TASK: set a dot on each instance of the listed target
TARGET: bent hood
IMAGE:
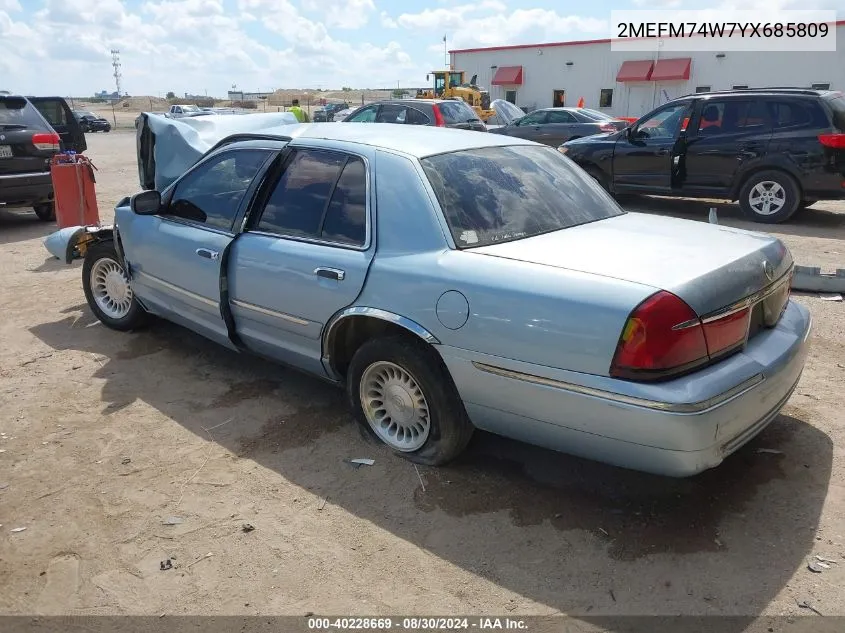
(167, 147)
(709, 266)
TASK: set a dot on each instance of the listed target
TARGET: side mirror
(145, 203)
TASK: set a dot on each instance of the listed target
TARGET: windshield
(506, 111)
(15, 111)
(837, 104)
(498, 194)
(190, 108)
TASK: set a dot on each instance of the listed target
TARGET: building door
(559, 99)
(640, 99)
(510, 95)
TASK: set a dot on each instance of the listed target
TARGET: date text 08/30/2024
(417, 624)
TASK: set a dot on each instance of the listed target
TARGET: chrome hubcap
(395, 406)
(767, 197)
(111, 289)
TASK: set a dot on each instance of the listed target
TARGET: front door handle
(330, 273)
(208, 254)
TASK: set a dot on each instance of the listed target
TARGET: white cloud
(344, 14)
(10, 5)
(488, 24)
(388, 22)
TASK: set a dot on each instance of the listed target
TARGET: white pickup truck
(179, 111)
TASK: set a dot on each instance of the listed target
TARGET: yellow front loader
(451, 84)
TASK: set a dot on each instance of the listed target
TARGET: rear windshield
(457, 112)
(499, 194)
(837, 105)
(595, 114)
(18, 111)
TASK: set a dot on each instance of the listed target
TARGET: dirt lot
(107, 435)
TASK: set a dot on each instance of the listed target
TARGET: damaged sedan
(450, 280)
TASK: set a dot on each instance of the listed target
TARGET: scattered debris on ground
(362, 461)
(166, 564)
(173, 521)
(247, 527)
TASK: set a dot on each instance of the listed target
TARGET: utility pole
(446, 53)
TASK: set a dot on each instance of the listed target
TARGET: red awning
(508, 76)
(635, 71)
(669, 69)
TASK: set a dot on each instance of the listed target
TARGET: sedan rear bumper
(679, 428)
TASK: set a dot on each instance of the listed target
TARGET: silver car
(451, 280)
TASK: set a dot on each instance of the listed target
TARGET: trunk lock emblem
(770, 272)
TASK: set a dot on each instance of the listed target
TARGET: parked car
(328, 112)
(180, 111)
(90, 122)
(554, 126)
(32, 131)
(452, 113)
(495, 285)
(776, 150)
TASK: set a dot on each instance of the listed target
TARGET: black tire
(45, 212)
(136, 317)
(790, 196)
(804, 204)
(450, 427)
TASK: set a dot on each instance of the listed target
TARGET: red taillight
(607, 127)
(836, 141)
(722, 334)
(664, 337)
(46, 141)
(438, 116)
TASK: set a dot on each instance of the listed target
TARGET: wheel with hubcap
(108, 291)
(404, 397)
(769, 197)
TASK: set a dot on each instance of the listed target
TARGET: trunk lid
(19, 120)
(709, 266)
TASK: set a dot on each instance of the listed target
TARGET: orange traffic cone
(581, 102)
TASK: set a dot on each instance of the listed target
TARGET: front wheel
(403, 396)
(769, 197)
(108, 291)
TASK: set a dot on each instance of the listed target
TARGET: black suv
(776, 150)
(90, 122)
(452, 113)
(32, 130)
(327, 112)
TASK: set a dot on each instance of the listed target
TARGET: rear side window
(52, 110)
(320, 195)
(415, 117)
(18, 111)
(837, 106)
(499, 194)
(786, 114)
(457, 112)
(391, 113)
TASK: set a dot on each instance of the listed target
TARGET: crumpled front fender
(71, 242)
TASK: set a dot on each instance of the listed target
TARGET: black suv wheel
(769, 197)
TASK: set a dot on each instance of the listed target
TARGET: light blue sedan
(451, 280)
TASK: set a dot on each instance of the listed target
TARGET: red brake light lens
(46, 141)
(438, 116)
(664, 337)
(836, 141)
(607, 127)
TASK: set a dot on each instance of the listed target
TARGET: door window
(212, 193)
(415, 117)
(559, 98)
(53, 110)
(391, 113)
(320, 195)
(561, 116)
(367, 115)
(535, 118)
(663, 124)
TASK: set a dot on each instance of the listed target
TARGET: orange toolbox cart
(74, 190)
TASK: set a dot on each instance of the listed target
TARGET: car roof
(418, 141)
(758, 92)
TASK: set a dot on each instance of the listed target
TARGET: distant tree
(347, 89)
(398, 93)
(171, 95)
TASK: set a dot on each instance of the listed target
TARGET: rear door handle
(330, 273)
(208, 254)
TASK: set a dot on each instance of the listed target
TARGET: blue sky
(198, 46)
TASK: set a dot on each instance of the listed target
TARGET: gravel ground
(107, 435)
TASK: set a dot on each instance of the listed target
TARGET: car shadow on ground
(19, 225)
(578, 536)
(815, 221)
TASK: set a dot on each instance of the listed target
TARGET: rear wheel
(45, 212)
(108, 291)
(404, 397)
(769, 197)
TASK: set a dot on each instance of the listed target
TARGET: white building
(632, 83)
